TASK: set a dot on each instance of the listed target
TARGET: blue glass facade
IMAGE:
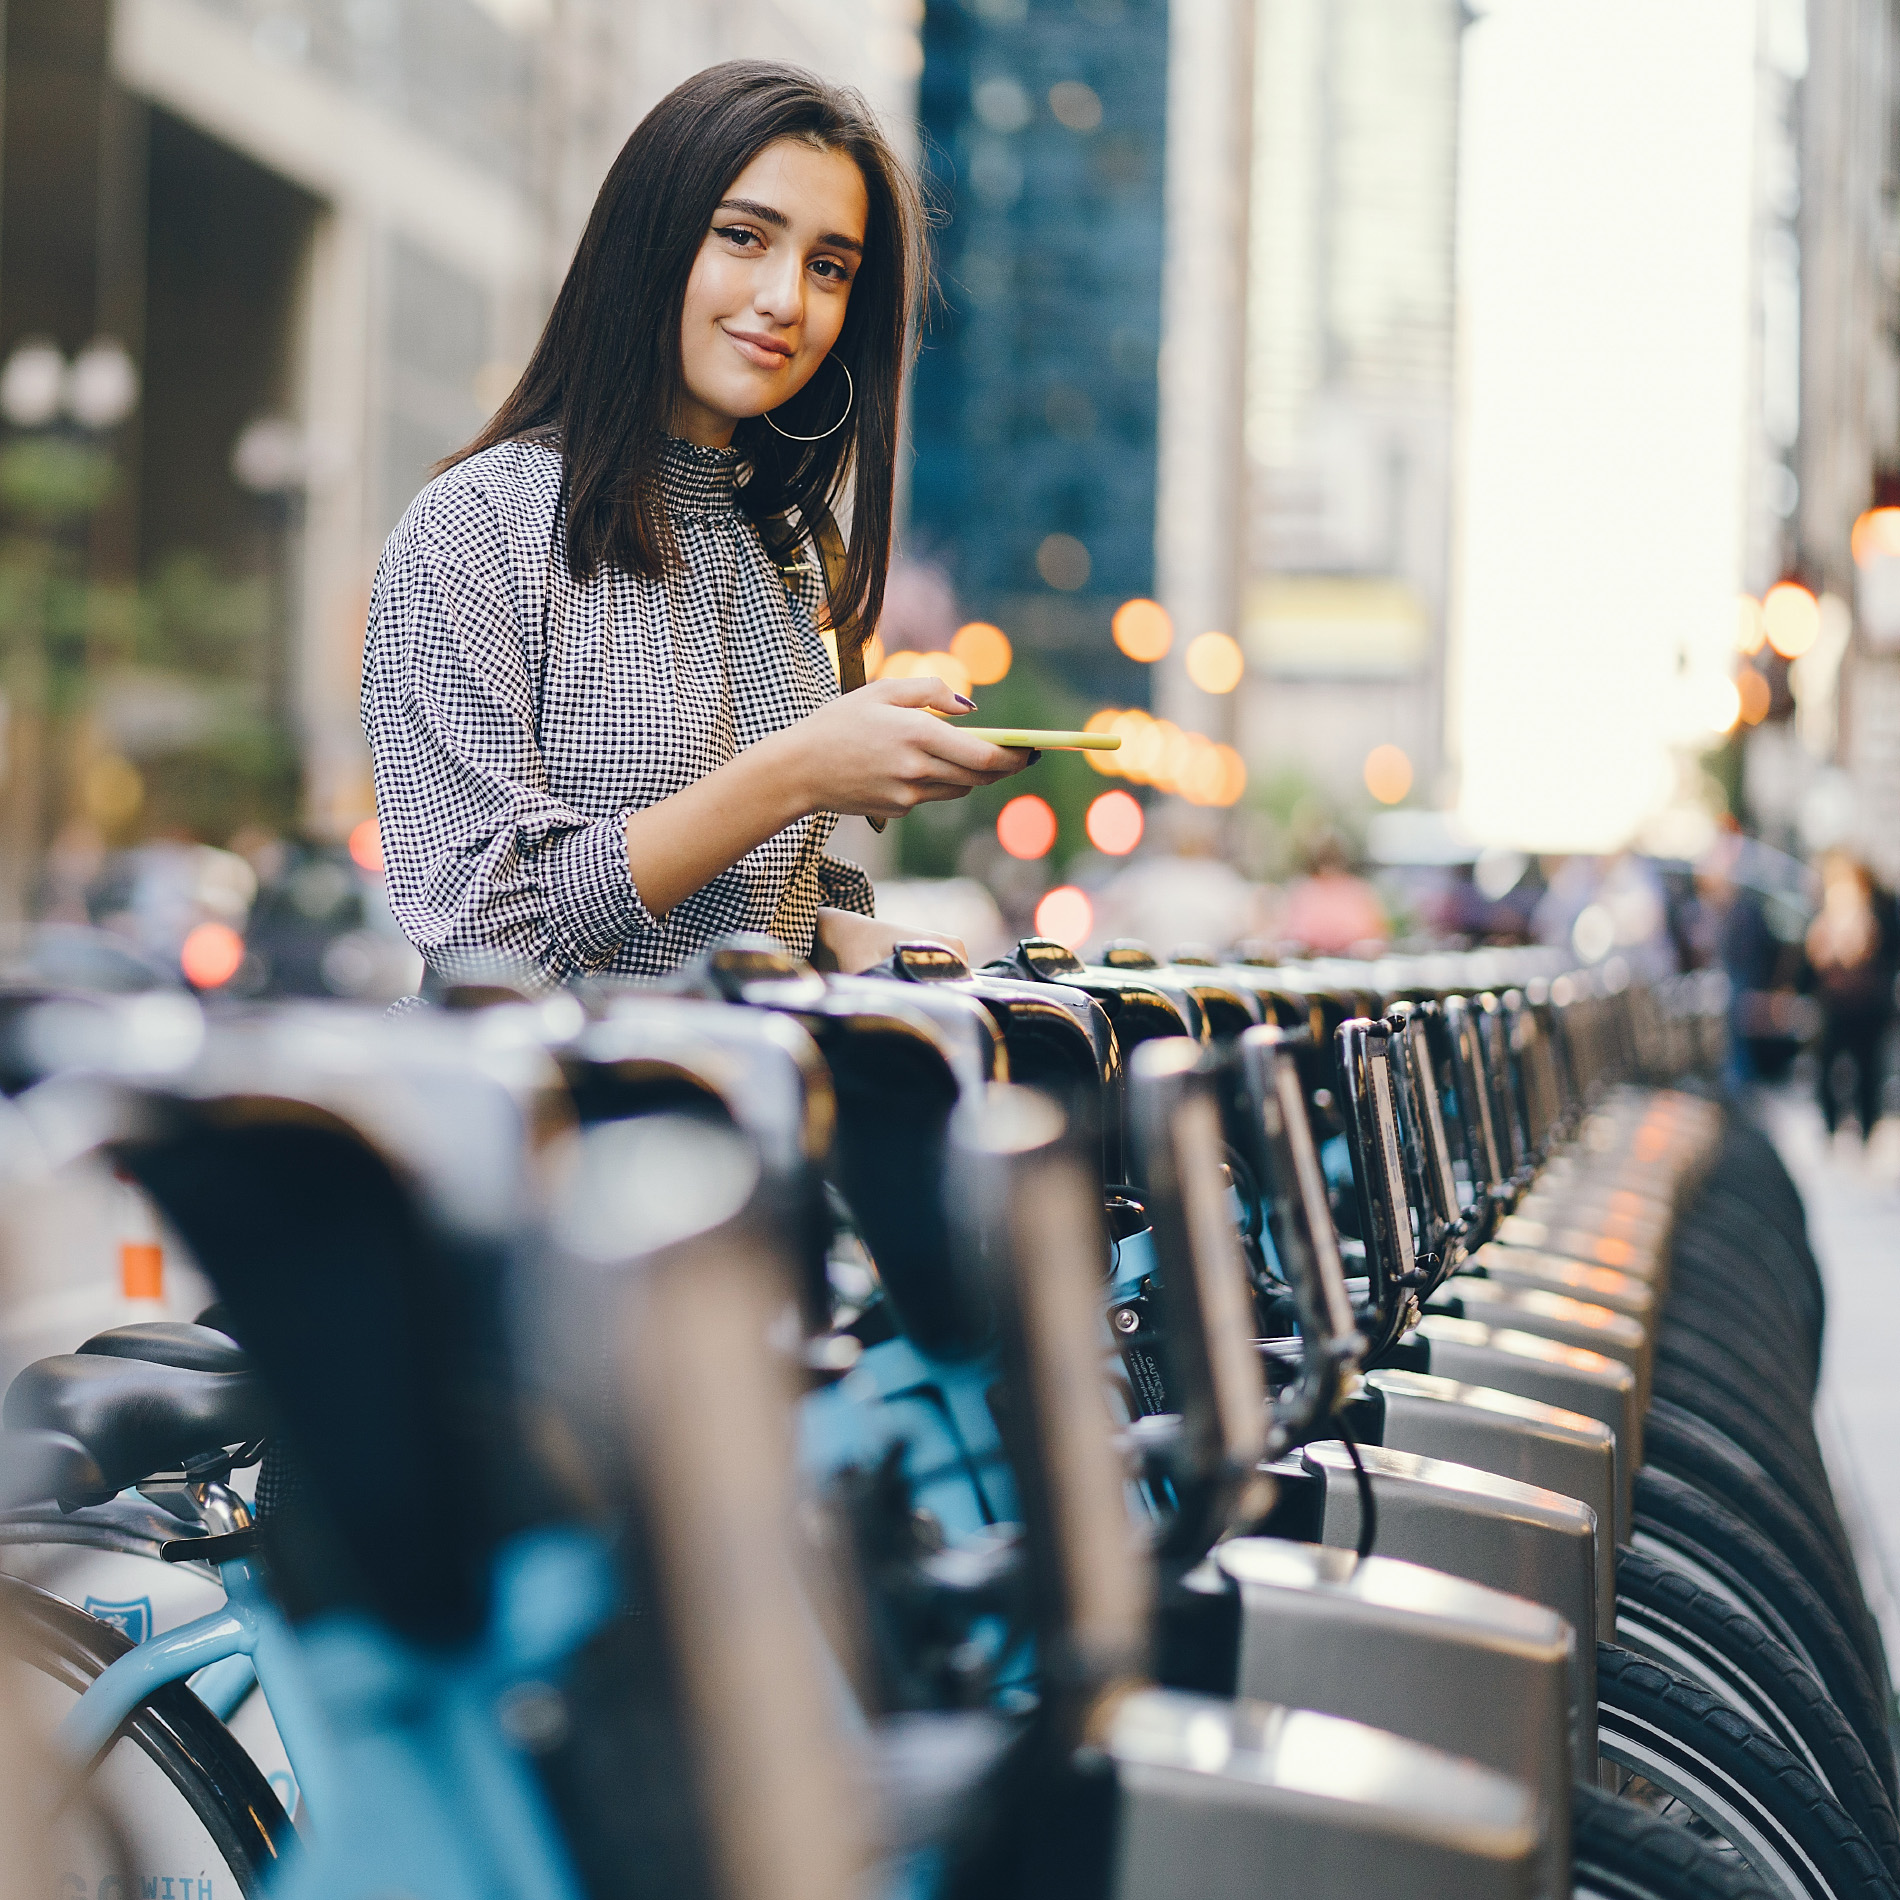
(1035, 403)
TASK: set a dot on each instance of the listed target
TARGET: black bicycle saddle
(171, 1342)
(36, 1465)
(135, 1417)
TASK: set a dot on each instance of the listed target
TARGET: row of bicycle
(1141, 1429)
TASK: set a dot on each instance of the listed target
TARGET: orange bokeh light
(1115, 823)
(984, 651)
(1143, 630)
(212, 954)
(1388, 774)
(1233, 775)
(1755, 696)
(1066, 916)
(1792, 617)
(1215, 662)
(1876, 533)
(1109, 764)
(1749, 631)
(1026, 826)
(907, 665)
(366, 845)
(1157, 752)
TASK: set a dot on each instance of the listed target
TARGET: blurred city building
(1350, 322)
(1830, 774)
(322, 234)
(1034, 417)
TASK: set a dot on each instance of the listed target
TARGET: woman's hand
(881, 751)
(849, 942)
(875, 752)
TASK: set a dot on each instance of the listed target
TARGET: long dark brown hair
(607, 371)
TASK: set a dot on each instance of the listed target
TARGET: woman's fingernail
(968, 705)
(1034, 754)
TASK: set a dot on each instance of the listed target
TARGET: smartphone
(1046, 741)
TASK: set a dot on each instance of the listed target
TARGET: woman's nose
(780, 294)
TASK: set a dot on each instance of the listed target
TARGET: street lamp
(98, 389)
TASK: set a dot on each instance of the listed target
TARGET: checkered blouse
(515, 716)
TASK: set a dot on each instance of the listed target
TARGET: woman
(605, 722)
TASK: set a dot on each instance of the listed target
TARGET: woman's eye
(831, 270)
(737, 234)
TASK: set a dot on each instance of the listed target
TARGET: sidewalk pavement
(1853, 1205)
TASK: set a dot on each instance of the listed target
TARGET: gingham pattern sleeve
(846, 886)
(488, 872)
(515, 716)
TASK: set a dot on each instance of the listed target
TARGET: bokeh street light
(366, 846)
(905, 664)
(1792, 618)
(984, 652)
(1157, 752)
(98, 389)
(1388, 774)
(1115, 823)
(1026, 827)
(211, 955)
(1065, 916)
(1143, 630)
(1214, 662)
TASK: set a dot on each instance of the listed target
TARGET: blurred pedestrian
(1332, 910)
(606, 724)
(1852, 946)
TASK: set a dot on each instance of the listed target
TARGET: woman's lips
(760, 351)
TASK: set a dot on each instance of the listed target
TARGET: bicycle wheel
(1750, 1330)
(1725, 1241)
(1781, 1391)
(1664, 1614)
(1689, 1372)
(1687, 1756)
(1620, 1851)
(186, 1795)
(1723, 1554)
(1702, 1455)
(1804, 1485)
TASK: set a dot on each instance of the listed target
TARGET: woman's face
(767, 296)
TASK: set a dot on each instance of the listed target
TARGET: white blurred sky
(1605, 262)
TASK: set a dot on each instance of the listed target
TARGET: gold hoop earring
(850, 390)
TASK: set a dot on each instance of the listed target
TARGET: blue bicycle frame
(408, 1744)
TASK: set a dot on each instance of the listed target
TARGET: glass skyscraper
(1035, 404)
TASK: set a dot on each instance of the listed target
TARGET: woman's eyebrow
(770, 214)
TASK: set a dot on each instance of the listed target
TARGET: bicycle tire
(1726, 1240)
(1720, 1550)
(1743, 1192)
(1779, 1436)
(1620, 1851)
(1733, 1784)
(1750, 1362)
(1749, 1323)
(197, 1754)
(1786, 1467)
(1749, 1169)
(1701, 1454)
(1664, 1614)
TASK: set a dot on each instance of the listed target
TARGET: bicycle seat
(135, 1417)
(170, 1342)
(36, 1465)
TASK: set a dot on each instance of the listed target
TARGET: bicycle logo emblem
(132, 1619)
